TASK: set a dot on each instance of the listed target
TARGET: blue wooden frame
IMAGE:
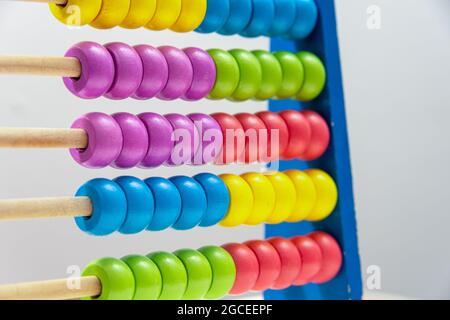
(342, 223)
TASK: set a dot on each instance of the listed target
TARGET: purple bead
(186, 140)
(156, 72)
(204, 74)
(211, 137)
(97, 70)
(135, 140)
(180, 73)
(104, 140)
(159, 132)
(129, 71)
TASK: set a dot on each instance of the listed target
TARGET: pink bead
(185, 137)
(156, 72)
(180, 73)
(160, 145)
(204, 74)
(104, 140)
(135, 140)
(129, 71)
(210, 136)
(97, 70)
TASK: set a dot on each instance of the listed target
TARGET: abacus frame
(331, 105)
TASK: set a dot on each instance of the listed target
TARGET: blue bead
(217, 13)
(140, 204)
(305, 20)
(193, 200)
(167, 203)
(285, 13)
(240, 15)
(262, 19)
(217, 196)
(109, 207)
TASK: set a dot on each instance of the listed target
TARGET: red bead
(233, 138)
(320, 136)
(331, 257)
(311, 259)
(255, 137)
(274, 121)
(269, 264)
(247, 267)
(299, 134)
(290, 262)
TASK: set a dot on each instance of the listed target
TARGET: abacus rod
(60, 2)
(20, 209)
(60, 289)
(43, 138)
(41, 66)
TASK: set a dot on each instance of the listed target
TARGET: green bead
(148, 281)
(198, 271)
(223, 271)
(115, 276)
(315, 76)
(227, 78)
(174, 276)
(293, 74)
(272, 75)
(250, 75)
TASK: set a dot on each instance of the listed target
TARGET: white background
(397, 87)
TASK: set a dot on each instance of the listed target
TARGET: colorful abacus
(296, 200)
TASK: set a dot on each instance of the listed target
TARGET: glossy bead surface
(109, 207)
(167, 203)
(116, 278)
(128, 71)
(135, 140)
(97, 70)
(140, 204)
(193, 202)
(217, 198)
(241, 200)
(223, 271)
(105, 140)
(160, 144)
(147, 277)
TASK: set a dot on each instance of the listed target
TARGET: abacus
(307, 206)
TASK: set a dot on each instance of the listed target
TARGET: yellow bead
(76, 12)
(140, 13)
(306, 195)
(241, 200)
(192, 14)
(263, 195)
(112, 13)
(327, 195)
(167, 13)
(285, 196)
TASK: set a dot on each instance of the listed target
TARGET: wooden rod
(41, 66)
(20, 209)
(43, 138)
(52, 289)
(60, 2)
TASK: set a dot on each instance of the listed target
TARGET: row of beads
(249, 18)
(262, 75)
(130, 205)
(119, 71)
(148, 140)
(212, 272)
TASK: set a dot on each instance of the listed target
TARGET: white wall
(395, 80)
(397, 86)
